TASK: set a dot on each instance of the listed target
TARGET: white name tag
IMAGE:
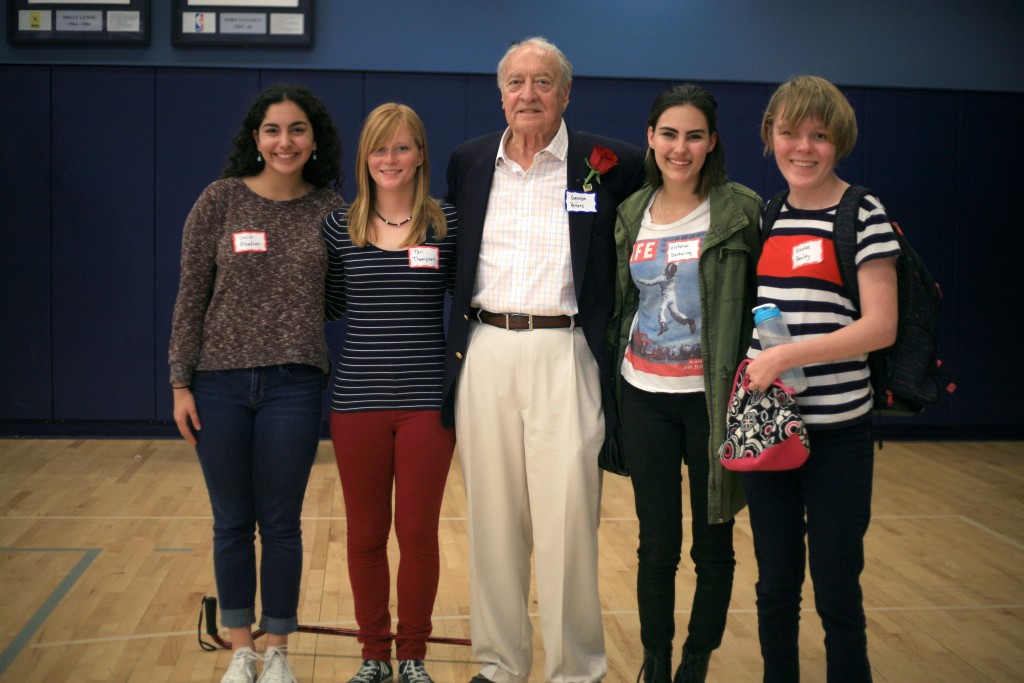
(580, 202)
(424, 257)
(682, 250)
(807, 253)
(249, 241)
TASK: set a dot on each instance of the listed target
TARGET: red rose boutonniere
(600, 162)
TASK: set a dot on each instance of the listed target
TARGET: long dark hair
(320, 172)
(713, 172)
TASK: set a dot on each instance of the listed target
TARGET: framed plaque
(263, 23)
(78, 21)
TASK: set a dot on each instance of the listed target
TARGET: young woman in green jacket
(687, 246)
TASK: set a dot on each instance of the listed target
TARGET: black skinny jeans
(828, 501)
(661, 431)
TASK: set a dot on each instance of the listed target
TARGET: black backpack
(904, 376)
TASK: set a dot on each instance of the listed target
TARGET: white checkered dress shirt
(525, 264)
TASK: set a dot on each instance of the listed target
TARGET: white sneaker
(275, 666)
(242, 668)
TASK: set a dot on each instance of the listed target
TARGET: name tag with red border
(249, 241)
(424, 257)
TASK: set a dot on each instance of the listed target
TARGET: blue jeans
(261, 429)
(660, 432)
(828, 501)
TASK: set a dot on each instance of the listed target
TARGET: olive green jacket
(727, 269)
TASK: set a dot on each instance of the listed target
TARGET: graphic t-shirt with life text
(664, 352)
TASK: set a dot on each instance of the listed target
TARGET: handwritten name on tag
(249, 241)
(807, 253)
(580, 202)
(682, 250)
(424, 257)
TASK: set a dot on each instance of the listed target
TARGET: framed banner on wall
(264, 23)
(78, 21)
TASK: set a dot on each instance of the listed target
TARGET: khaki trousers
(529, 426)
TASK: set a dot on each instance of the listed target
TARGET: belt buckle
(508, 320)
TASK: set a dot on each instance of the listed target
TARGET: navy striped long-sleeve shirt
(392, 357)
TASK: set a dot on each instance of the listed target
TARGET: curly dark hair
(320, 172)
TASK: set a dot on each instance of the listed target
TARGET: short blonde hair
(812, 96)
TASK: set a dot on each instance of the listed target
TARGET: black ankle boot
(693, 668)
(657, 665)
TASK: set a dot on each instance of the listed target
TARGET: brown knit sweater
(252, 281)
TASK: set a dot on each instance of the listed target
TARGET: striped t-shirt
(392, 356)
(799, 273)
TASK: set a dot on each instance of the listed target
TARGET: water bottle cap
(766, 311)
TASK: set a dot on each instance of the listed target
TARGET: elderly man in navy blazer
(527, 376)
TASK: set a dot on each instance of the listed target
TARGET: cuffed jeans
(260, 431)
(828, 500)
(660, 432)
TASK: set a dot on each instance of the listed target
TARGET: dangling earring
(314, 156)
(259, 158)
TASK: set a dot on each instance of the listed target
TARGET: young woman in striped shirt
(391, 258)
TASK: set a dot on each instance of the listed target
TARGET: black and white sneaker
(373, 671)
(412, 671)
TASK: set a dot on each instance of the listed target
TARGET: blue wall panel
(987, 298)
(103, 133)
(25, 313)
(483, 113)
(613, 107)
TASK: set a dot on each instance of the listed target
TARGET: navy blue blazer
(591, 243)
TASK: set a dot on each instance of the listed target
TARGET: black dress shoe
(480, 678)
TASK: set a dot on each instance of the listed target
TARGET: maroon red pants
(407, 452)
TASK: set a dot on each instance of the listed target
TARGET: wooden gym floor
(105, 554)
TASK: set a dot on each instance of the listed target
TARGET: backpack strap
(845, 237)
(771, 213)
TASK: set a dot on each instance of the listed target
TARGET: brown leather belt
(524, 321)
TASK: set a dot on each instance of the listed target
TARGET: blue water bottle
(772, 331)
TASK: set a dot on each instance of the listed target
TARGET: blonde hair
(812, 96)
(380, 126)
